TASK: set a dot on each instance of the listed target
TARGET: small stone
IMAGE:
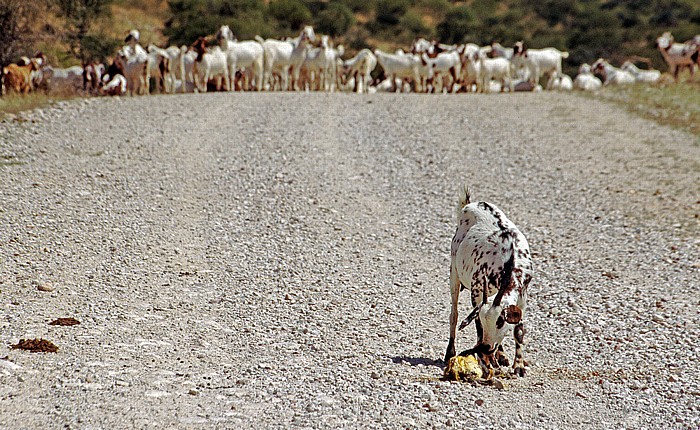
(479, 402)
(375, 375)
(193, 392)
(430, 408)
(46, 287)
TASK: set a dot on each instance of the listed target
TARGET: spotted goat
(490, 257)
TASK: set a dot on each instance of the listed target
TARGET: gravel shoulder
(282, 261)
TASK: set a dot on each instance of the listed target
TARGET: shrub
(335, 20)
(456, 26)
(412, 26)
(293, 13)
(98, 47)
(390, 12)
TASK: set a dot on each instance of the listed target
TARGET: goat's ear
(512, 314)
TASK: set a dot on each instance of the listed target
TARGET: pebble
(46, 287)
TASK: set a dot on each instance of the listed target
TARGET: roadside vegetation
(14, 104)
(675, 104)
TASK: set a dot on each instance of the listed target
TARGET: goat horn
(471, 317)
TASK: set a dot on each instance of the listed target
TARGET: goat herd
(311, 63)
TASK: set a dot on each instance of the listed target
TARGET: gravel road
(282, 261)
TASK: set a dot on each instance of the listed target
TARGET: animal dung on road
(35, 345)
(461, 368)
(65, 321)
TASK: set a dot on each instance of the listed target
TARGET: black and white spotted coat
(490, 258)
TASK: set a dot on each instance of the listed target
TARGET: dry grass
(673, 104)
(149, 19)
(15, 103)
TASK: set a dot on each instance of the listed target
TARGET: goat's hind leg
(455, 286)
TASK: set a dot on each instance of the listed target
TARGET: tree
(79, 16)
(335, 20)
(292, 12)
(457, 25)
(191, 19)
(16, 19)
(390, 12)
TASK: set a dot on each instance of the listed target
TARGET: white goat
(538, 62)
(360, 68)
(490, 258)
(646, 76)
(612, 75)
(184, 68)
(210, 64)
(500, 51)
(403, 66)
(471, 69)
(561, 82)
(248, 54)
(167, 61)
(386, 86)
(678, 55)
(134, 60)
(115, 86)
(321, 63)
(70, 79)
(488, 69)
(134, 66)
(280, 55)
(585, 80)
(447, 66)
(420, 45)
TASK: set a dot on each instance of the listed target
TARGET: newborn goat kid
(490, 257)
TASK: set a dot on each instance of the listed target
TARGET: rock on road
(282, 261)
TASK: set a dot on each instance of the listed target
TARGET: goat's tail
(465, 196)
(464, 199)
(565, 55)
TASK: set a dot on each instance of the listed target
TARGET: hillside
(614, 29)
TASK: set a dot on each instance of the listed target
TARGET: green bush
(194, 18)
(555, 11)
(390, 12)
(358, 5)
(412, 26)
(335, 20)
(291, 14)
(98, 47)
(457, 25)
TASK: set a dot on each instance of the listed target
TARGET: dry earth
(281, 261)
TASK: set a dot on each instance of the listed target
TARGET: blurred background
(73, 31)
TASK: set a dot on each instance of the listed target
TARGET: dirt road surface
(282, 261)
